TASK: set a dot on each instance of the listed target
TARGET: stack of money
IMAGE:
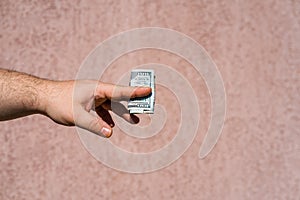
(142, 77)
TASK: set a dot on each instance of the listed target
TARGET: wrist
(55, 100)
(43, 96)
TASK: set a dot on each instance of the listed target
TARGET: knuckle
(95, 125)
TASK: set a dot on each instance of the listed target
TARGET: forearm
(21, 94)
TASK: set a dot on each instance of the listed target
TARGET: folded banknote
(142, 77)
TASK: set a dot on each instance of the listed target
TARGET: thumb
(92, 123)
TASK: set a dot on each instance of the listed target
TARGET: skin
(87, 107)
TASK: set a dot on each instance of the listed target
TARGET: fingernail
(105, 131)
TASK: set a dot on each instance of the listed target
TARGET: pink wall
(256, 47)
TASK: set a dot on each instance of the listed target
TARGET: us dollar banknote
(142, 77)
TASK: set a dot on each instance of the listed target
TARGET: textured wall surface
(256, 46)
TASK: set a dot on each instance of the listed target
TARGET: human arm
(22, 94)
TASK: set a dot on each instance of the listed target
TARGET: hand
(88, 106)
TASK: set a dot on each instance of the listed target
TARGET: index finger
(117, 92)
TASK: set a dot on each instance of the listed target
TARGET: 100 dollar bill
(142, 77)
